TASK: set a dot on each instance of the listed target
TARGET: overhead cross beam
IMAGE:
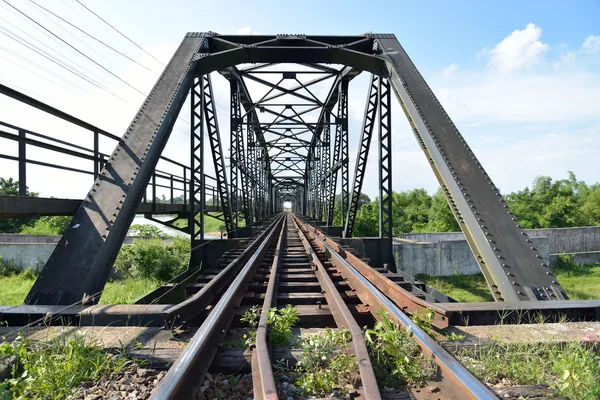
(80, 264)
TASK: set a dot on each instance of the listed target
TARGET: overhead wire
(53, 59)
(94, 38)
(74, 48)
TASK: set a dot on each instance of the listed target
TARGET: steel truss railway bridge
(290, 144)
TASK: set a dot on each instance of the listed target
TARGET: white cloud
(591, 44)
(450, 69)
(246, 30)
(520, 50)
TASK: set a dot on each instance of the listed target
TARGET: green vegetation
(15, 288)
(128, 290)
(462, 288)
(153, 259)
(211, 224)
(53, 370)
(548, 204)
(580, 282)
(324, 365)
(572, 369)
(396, 357)
(279, 324)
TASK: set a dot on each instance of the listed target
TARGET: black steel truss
(197, 184)
(214, 140)
(385, 172)
(363, 153)
(287, 156)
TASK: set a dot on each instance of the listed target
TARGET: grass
(324, 366)
(571, 369)
(396, 357)
(279, 324)
(581, 282)
(211, 224)
(15, 289)
(54, 369)
(462, 288)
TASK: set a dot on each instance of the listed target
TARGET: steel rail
(186, 374)
(196, 304)
(461, 381)
(343, 318)
(407, 301)
(263, 379)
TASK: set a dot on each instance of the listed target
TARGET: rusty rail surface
(185, 376)
(263, 379)
(408, 302)
(343, 318)
(455, 378)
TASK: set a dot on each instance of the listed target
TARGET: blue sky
(521, 79)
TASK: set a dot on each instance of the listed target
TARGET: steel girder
(235, 126)
(363, 153)
(385, 172)
(340, 155)
(214, 140)
(326, 165)
(513, 267)
(197, 182)
(80, 264)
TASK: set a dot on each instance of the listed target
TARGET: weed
(453, 336)
(396, 357)
(572, 369)
(322, 367)
(423, 318)
(280, 323)
(54, 369)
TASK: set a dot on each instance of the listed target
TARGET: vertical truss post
(196, 192)
(236, 137)
(216, 147)
(344, 149)
(326, 179)
(319, 177)
(340, 155)
(244, 178)
(249, 170)
(363, 153)
(305, 196)
(385, 173)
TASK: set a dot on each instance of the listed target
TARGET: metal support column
(385, 174)
(214, 136)
(235, 125)
(197, 183)
(363, 153)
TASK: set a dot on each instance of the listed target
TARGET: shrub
(8, 267)
(153, 259)
(48, 226)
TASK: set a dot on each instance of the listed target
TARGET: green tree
(146, 230)
(10, 187)
(48, 226)
(441, 218)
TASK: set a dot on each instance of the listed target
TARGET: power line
(93, 37)
(74, 48)
(51, 58)
(41, 68)
(120, 33)
(50, 48)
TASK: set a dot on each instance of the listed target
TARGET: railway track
(288, 263)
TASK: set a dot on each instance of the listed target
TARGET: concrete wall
(443, 258)
(560, 240)
(24, 251)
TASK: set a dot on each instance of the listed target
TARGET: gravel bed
(134, 384)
